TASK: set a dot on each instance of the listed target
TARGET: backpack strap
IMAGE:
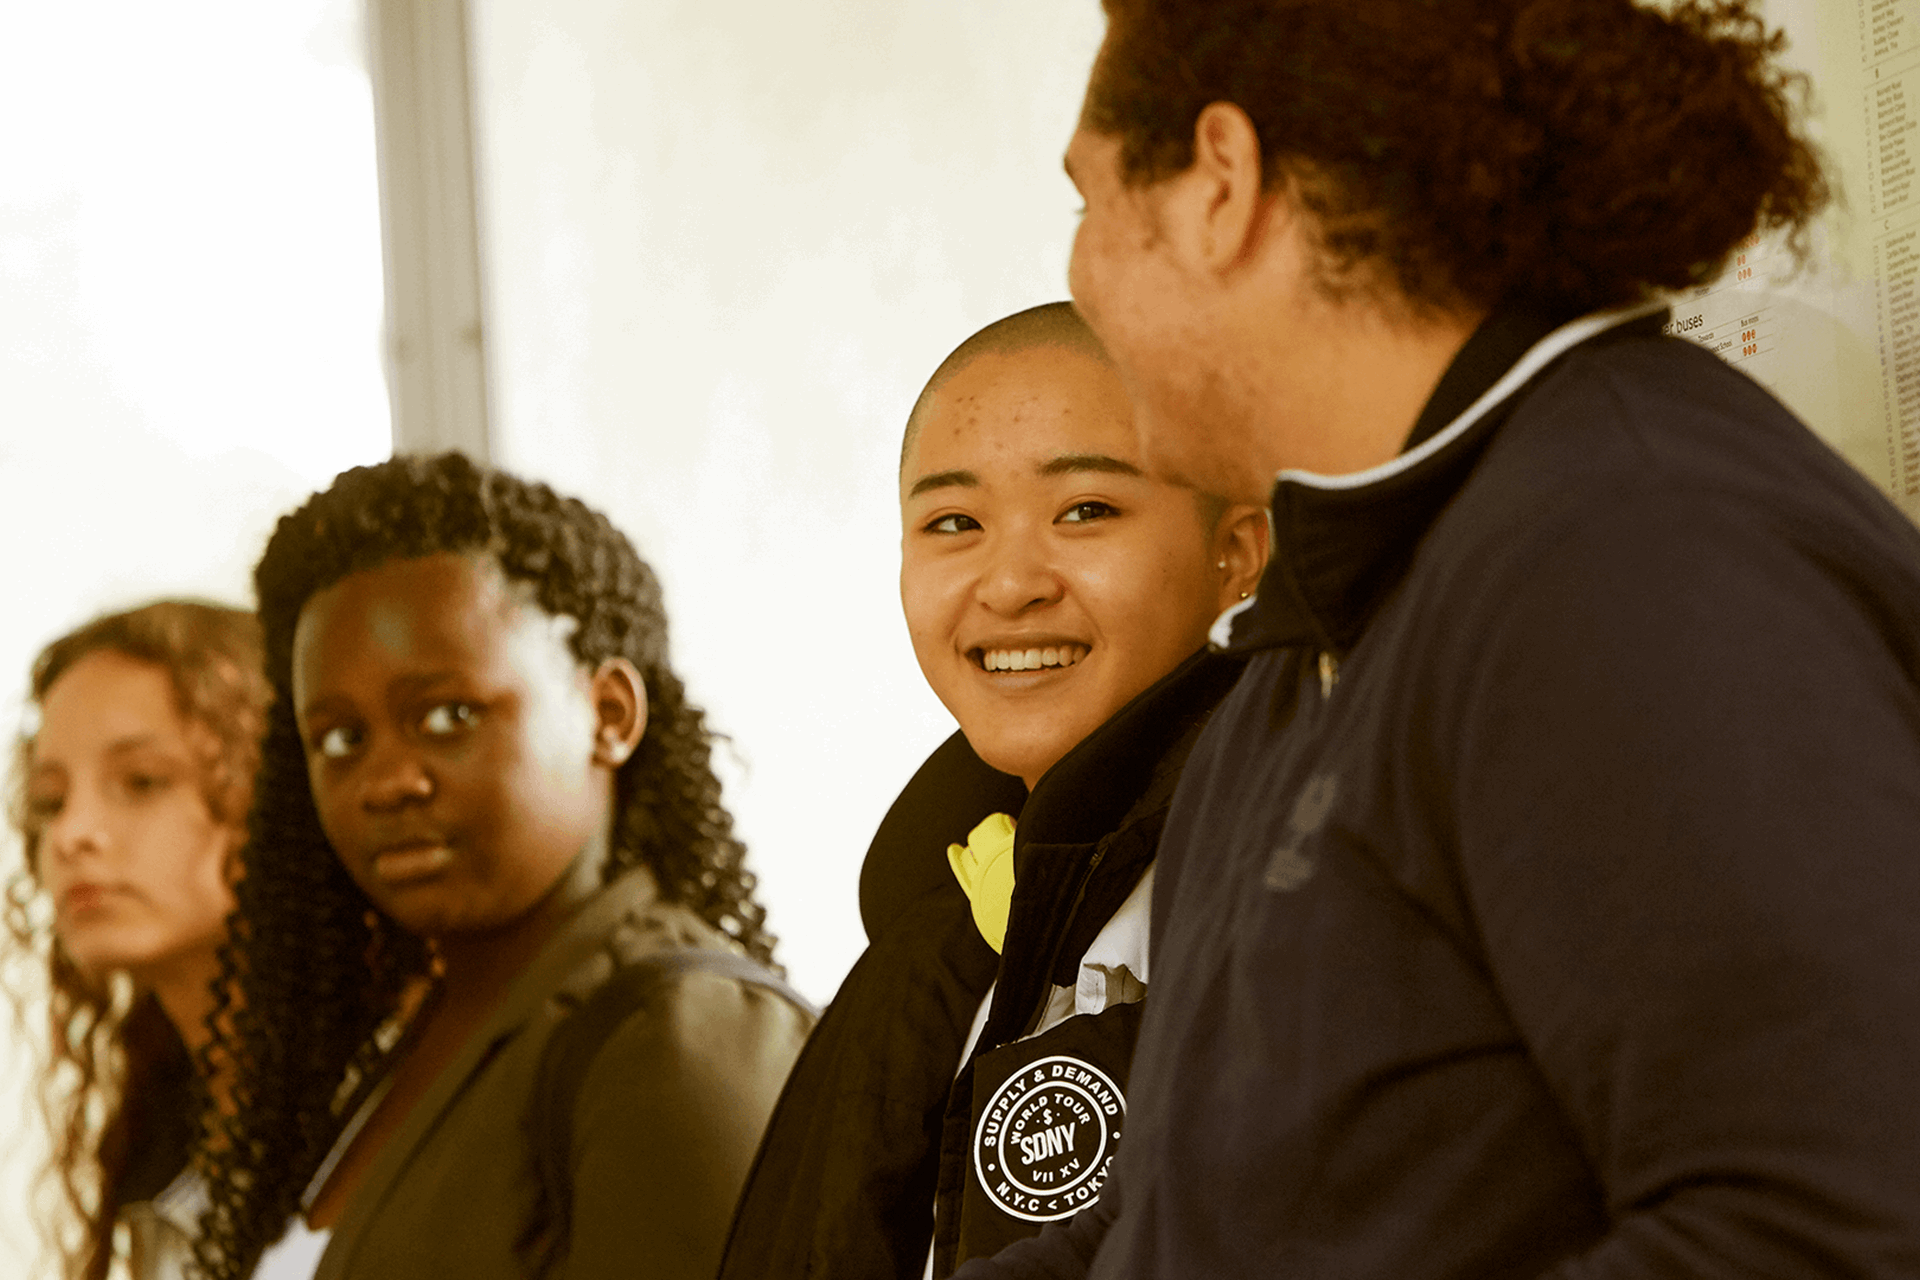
(569, 1055)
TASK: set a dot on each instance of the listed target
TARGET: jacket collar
(1083, 797)
(1342, 543)
(906, 863)
(573, 946)
(1109, 794)
(1088, 832)
(1105, 777)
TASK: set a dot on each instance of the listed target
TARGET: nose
(78, 828)
(1019, 576)
(395, 777)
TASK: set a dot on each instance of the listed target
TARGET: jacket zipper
(1060, 938)
(1329, 673)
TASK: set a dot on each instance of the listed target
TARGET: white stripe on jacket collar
(1220, 634)
(1538, 357)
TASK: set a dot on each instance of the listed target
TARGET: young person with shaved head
(969, 1081)
(1543, 901)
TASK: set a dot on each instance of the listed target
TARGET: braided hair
(118, 1089)
(318, 968)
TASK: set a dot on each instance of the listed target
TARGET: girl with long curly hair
(501, 998)
(130, 797)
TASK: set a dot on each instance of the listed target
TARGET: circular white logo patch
(1046, 1137)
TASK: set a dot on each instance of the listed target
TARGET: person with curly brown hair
(1541, 902)
(130, 796)
(502, 999)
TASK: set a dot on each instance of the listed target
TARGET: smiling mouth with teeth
(1064, 655)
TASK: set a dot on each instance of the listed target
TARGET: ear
(1228, 204)
(1240, 543)
(619, 711)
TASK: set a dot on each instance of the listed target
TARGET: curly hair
(317, 967)
(1580, 153)
(119, 1086)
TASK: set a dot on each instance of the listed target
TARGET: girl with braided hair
(501, 1004)
(130, 797)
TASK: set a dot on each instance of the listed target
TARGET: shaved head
(1051, 324)
(1054, 325)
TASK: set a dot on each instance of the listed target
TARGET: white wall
(190, 300)
(725, 243)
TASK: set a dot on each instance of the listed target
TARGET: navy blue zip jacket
(1545, 900)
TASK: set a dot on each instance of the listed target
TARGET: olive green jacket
(664, 1127)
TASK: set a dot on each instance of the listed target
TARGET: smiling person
(1542, 902)
(969, 1081)
(131, 796)
(483, 781)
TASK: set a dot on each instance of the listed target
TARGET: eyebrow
(130, 744)
(315, 706)
(1068, 463)
(119, 748)
(405, 685)
(1064, 464)
(943, 479)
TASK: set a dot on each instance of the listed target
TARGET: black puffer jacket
(873, 1123)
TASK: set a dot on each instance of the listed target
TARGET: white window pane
(190, 312)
